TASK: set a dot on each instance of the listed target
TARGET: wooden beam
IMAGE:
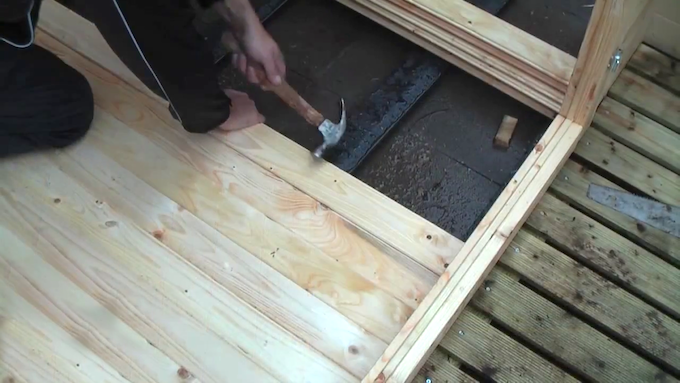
(615, 25)
(444, 303)
(528, 69)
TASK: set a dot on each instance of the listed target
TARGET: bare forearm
(239, 13)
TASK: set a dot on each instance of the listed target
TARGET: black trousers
(45, 104)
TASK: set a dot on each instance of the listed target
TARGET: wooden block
(505, 131)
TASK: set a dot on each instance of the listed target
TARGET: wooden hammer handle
(292, 98)
(284, 90)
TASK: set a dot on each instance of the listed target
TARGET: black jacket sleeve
(17, 21)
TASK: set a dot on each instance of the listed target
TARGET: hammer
(330, 131)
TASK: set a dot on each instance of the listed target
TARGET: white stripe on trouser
(132, 36)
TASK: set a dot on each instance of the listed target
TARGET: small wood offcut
(147, 254)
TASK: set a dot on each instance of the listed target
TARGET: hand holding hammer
(330, 131)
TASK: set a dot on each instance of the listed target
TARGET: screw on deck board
(461, 333)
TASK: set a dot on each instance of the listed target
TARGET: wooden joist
(502, 55)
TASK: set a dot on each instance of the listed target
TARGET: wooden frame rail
(530, 70)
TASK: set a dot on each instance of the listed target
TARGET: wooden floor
(585, 293)
(147, 254)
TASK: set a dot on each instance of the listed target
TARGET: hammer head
(332, 133)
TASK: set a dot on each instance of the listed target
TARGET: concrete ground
(439, 161)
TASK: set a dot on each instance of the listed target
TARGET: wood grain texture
(656, 66)
(648, 98)
(76, 324)
(346, 243)
(191, 314)
(355, 297)
(506, 359)
(504, 37)
(298, 260)
(613, 25)
(633, 168)
(639, 133)
(442, 367)
(230, 265)
(570, 282)
(351, 199)
(421, 240)
(35, 348)
(572, 186)
(465, 51)
(551, 328)
(84, 37)
(621, 260)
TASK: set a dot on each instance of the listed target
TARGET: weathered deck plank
(656, 66)
(635, 169)
(639, 132)
(569, 281)
(572, 185)
(498, 356)
(599, 247)
(561, 334)
(440, 367)
(644, 96)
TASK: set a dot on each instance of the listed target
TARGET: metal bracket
(615, 60)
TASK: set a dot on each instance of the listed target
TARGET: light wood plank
(423, 241)
(230, 265)
(346, 243)
(504, 37)
(633, 168)
(644, 96)
(196, 318)
(594, 296)
(339, 191)
(84, 37)
(614, 25)
(66, 307)
(351, 246)
(355, 297)
(572, 185)
(603, 249)
(551, 328)
(496, 354)
(501, 74)
(640, 133)
(656, 66)
(25, 327)
(294, 257)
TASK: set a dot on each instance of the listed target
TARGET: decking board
(561, 335)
